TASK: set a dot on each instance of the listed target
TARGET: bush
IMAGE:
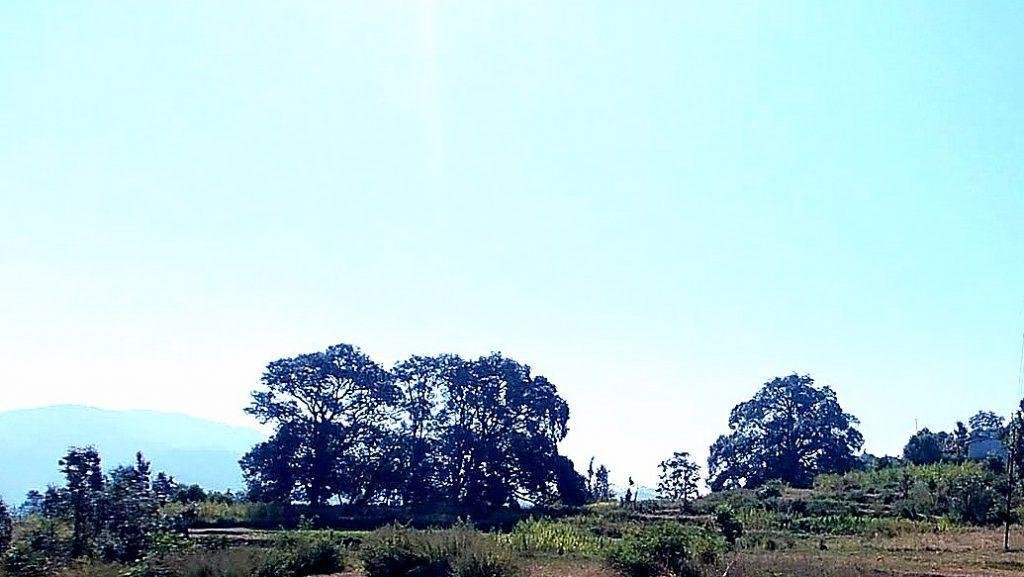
(40, 552)
(770, 490)
(298, 555)
(238, 562)
(664, 549)
(396, 551)
(728, 524)
(92, 569)
(769, 540)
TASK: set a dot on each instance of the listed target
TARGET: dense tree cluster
(926, 447)
(479, 433)
(110, 516)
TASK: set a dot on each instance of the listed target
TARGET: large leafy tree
(481, 433)
(422, 381)
(478, 433)
(326, 407)
(498, 432)
(925, 447)
(791, 430)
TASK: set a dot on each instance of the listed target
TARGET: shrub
(93, 569)
(770, 490)
(299, 555)
(664, 549)
(972, 500)
(769, 540)
(728, 524)
(396, 551)
(237, 562)
(40, 552)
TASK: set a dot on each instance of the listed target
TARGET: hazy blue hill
(191, 449)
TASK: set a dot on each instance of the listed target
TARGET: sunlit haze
(658, 206)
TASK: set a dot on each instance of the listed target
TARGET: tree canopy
(791, 430)
(327, 408)
(925, 447)
(481, 433)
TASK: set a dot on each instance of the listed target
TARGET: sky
(658, 206)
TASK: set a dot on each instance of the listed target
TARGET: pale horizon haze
(659, 206)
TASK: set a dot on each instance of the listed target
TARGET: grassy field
(937, 521)
(955, 554)
(967, 552)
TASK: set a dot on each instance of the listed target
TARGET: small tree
(33, 504)
(679, 478)
(82, 493)
(131, 512)
(164, 487)
(602, 485)
(590, 477)
(6, 528)
(957, 443)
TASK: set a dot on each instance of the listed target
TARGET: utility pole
(1011, 458)
(1012, 455)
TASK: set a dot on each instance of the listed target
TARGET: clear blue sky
(658, 206)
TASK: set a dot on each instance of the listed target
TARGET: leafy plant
(534, 536)
(664, 549)
(298, 555)
(728, 524)
(396, 551)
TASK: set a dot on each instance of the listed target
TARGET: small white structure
(984, 448)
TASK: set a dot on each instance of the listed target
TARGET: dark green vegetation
(790, 431)
(479, 434)
(446, 467)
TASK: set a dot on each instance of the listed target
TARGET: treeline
(484, 434)
(479, 433)
(793, 431)
(987, 432)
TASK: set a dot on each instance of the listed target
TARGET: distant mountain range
(192, 450)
